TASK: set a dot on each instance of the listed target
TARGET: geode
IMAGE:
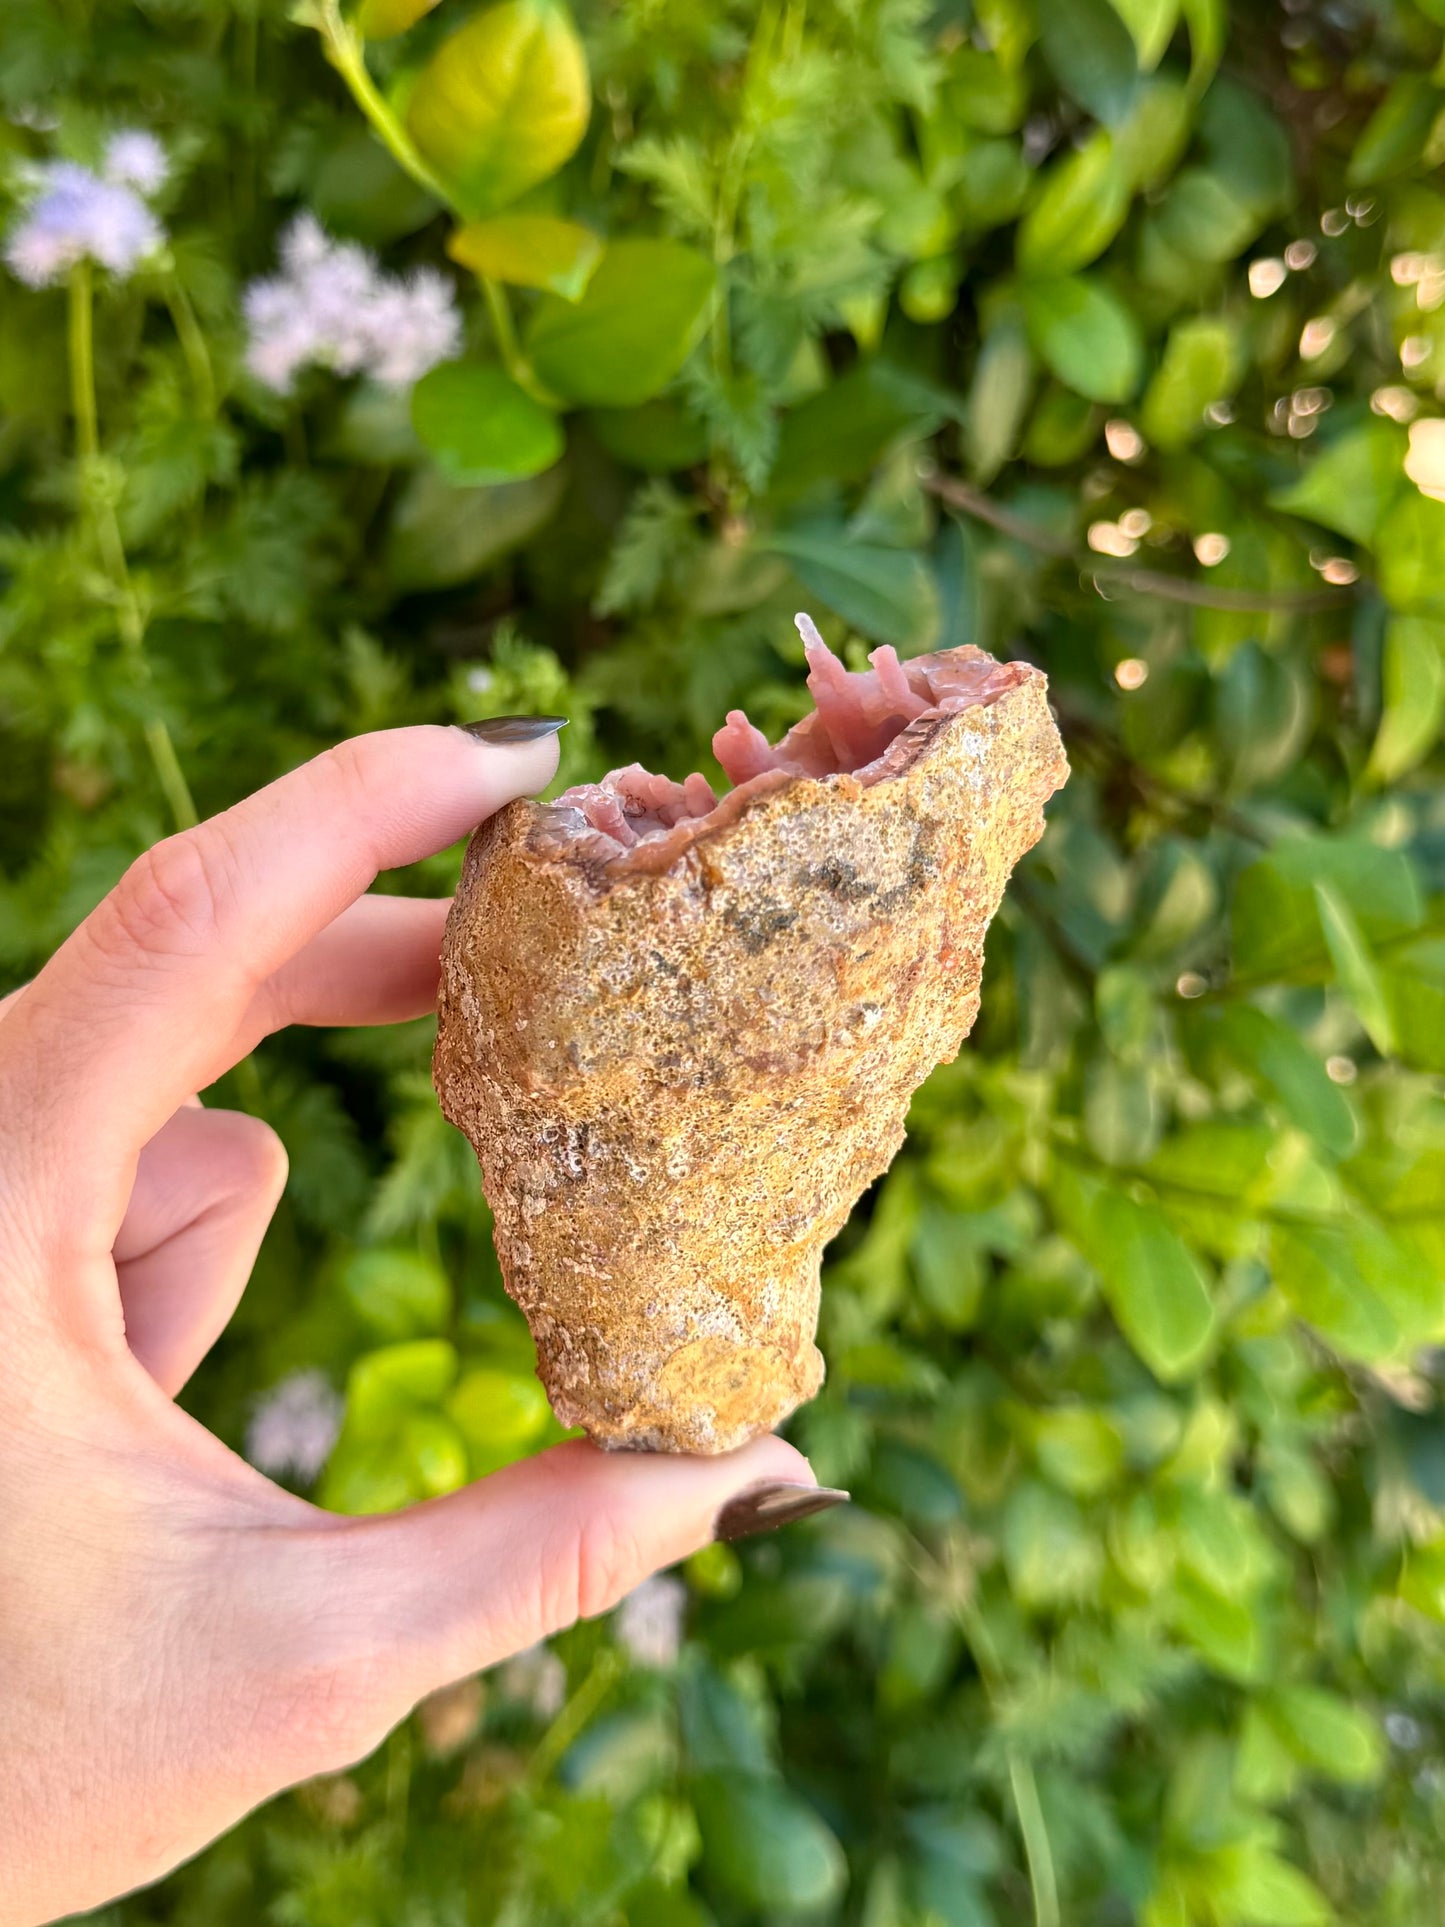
(682, 1033)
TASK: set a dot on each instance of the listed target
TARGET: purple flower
(333, 307)
(294, 1426)
(648, 1624)
(135, 158)
(414, 325)
(73, 216)
(538, 1679)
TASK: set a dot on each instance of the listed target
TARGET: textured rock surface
(681, 1062)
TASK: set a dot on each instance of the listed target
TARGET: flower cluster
(333, 307)
(536, 1679)
(649, 1621)
(73, 214)
(294, 1427)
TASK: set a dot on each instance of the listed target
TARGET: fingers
(378, 963)
(142, 1004)
(422, 1597)
(205, 1189)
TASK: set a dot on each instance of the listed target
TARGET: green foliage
(1089, 331)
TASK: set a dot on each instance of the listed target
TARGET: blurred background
(394, 365)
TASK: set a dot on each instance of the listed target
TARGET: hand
(180, 1639)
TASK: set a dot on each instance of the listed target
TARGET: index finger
(133, 1012)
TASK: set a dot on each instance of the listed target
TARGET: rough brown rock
(680, 1063)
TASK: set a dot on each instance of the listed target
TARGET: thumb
(453, 1585)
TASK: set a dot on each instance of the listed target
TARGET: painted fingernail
(763, 1508)
(513, 729)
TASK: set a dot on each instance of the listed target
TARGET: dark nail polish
(513, 729)
(763, 1508)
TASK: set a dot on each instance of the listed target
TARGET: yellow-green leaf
(529, 251)
(1084, 202)
(1355, 967)
(480, 426)
(381, 19)
(1152, 24)
(1200, 366)
(1414, 695)
(626, 338)
(1326, 1733)
(503, 102)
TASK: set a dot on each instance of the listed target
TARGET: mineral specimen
(682, 1033)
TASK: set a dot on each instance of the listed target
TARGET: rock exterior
(681, 1063)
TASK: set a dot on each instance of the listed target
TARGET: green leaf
(1122, 1117)
(1091, 54)
(1253, 1886)
(634, 327)
(765, 1847)
(396, 1292)
(993, 182)
(1086, 335)
(998, 396)
(529, 251)
(1201, 365)
(1206, 218)
(498, 1410)
(1176, 895)
(1247, 146)
(1079, 1450)
(1208, 22)
(435, 1452)
(358, 191)
(1396, 133)
(1414, 690)
(1263, 710)
(839, 433)
(380, 19)
(888, 595)
(1410, 550)
(1328, 1734)
(1083, 204)
(1352, 482)
(1154, 1285)
(386, 1385)
(659, 437)
(1277, 928)
(1226, 1631)
(1364, 1289)
(1422, 1582)
(1415, 980)
(1273, 1053)
(480, 426)
(1355, 968)
(1152, 23)
(724, 1729)
(503, 102)
(949, 1265)
(1051, 1552)
(441, 535)
(1064, 428)
(1150, 142)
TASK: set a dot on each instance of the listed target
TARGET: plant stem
(193, 345)
(82, 363)
(574, 1716)
(98, 504)
(1032, 1828)
(345, 49)
(1036, 1841)
(501, 322)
